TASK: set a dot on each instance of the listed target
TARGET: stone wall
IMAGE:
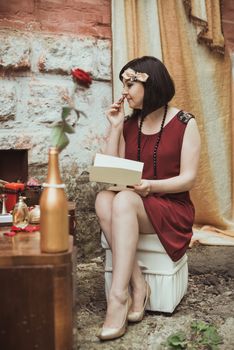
(36, 83)
(40, 42)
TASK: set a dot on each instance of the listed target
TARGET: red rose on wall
(81, 77)
(62, 127)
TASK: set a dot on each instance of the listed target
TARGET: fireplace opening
(14, 165)
(14, 168)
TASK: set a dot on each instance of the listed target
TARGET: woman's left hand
(143, 189)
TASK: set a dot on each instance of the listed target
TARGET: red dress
(171, 214)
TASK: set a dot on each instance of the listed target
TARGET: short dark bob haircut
(159, 87)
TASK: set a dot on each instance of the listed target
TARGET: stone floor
(210, 298)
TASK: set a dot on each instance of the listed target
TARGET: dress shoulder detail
(184, 117)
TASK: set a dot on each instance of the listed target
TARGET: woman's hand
(115, 113)
(144, 188)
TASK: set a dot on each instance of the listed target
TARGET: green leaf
(59, 138)
(65, 112)
(61, 127)
(199, 326)
(68, 128)
(177, 340)
(211, 336)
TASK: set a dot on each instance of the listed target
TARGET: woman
(167, 140)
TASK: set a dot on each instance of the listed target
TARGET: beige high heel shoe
(113, 333)
(137, 316)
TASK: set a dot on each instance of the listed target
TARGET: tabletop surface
(24, 248)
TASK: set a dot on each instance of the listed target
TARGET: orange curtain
(207, 18)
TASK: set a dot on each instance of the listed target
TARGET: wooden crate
(36, 298)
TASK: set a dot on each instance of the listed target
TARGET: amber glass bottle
(54, 209)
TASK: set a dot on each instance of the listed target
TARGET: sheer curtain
(135, 32)
(186, 36)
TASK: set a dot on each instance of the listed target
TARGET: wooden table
(36, 298)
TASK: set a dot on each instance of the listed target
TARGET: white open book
(115, 170)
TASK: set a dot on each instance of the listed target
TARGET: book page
(117, 162)
(115, 170)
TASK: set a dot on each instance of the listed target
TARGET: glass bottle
(34, 215)
(54, 209)
(20, 215)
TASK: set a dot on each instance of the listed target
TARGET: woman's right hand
(115, 114)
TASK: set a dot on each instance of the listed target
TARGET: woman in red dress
(167, 140)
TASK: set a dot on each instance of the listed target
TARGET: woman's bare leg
(127, 213)
(103, 208)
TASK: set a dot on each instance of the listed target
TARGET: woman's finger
(121, 99)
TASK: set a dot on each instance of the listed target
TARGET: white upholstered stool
(168, 280)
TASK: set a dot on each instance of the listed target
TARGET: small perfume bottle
(20, 214)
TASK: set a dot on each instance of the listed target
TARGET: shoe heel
(137, 316)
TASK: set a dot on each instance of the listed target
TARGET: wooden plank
(63, 302)
(27, 308)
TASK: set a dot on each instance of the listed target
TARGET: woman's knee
(103, 204)
(124, 202)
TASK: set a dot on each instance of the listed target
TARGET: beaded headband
(130, 74)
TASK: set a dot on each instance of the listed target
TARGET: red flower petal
(31, 228)
(16, 229)
(81, 77)
(28, 228)
(10, 234)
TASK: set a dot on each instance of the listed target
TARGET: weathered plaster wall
(40, 42)
(36, 83)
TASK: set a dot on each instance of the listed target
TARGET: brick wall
(227, 9)
(85, 18)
